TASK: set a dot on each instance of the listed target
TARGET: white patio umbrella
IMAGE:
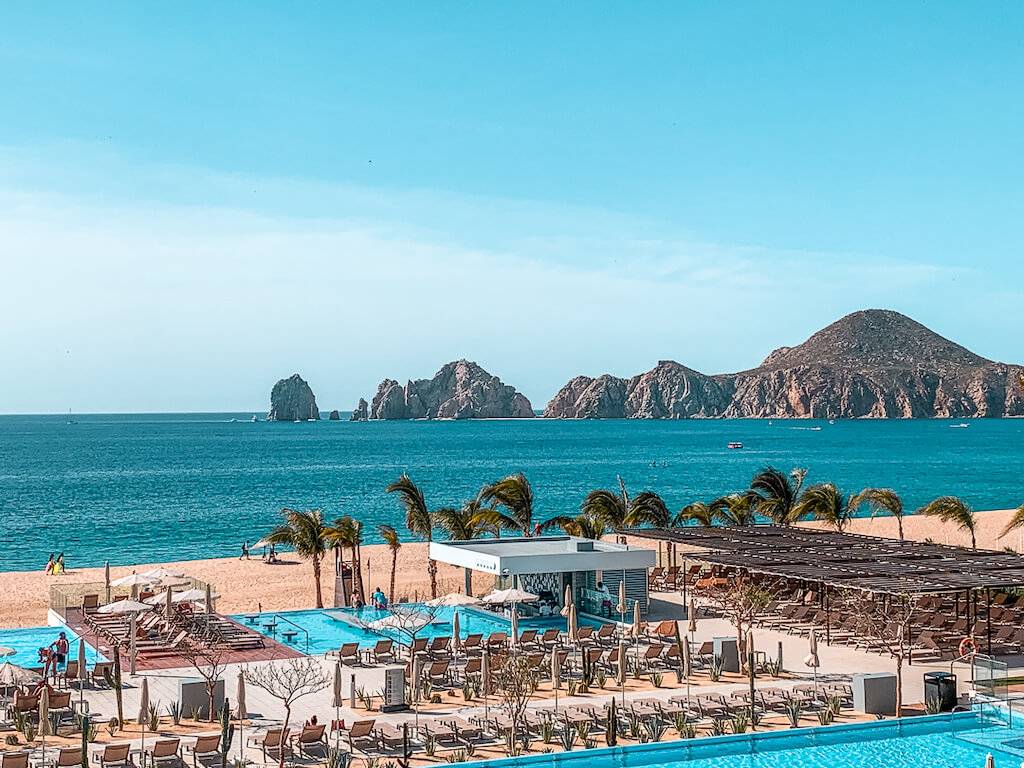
(44, 719)
(453, 600)
(192, 596)
(242, 711)
(134, 580)
(337, 701)
(573, 626)
(621, 607)
(636, 628)
(811, 659)
(12, 675)
(456, 633)
(513, 595)
(124, 606)
(515, 626)
(567, 602)
(692, 612)
(556, 674)
(621, 671)
(163, 572)
(143, 717)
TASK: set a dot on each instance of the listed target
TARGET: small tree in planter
(288, 681)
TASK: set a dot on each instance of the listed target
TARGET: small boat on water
(254, 419)
(734, 445)
(961, 425)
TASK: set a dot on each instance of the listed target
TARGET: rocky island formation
(361, 411)
(292, 399)
(460, 390)
(870, 364)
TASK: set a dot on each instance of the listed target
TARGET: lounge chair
(361, 736)
(473, 643)
(348, 653)
(437, 730)
(68, 757)
(393, 736)
(90, 602)
(605, 634)
(112, 755)
(439, 647)
(165, 751)
(464, 731)
(585, 634)
(20, 759)
(437, 672)
(527, 638)
(205, 747)
(311, 736)
(383, 652)
(71, 673)
(550, 637)
(271, 740)
(419, 645)
(497, 640)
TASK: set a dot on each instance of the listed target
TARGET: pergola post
(988, 618)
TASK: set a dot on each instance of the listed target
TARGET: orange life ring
(968, 647)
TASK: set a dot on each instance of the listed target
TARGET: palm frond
(514, 494)
(390, 536)
(1017, 521)
(417, 517)
(734, 509)
(826, 503)
(698, 512)
(950, 509)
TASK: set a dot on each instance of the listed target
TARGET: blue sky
(199, 199)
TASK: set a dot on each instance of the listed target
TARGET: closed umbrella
(687, 665)
(622, 668)
(143, 717)
(692, 611)
(456, 631)
(337, 701)
(81, 674)
(209, 599)
(242, 710)
(812, 660)
(169, 603)
(567, 602)
(621, 607)
(106, 580)
(573, 627)
(556, 674)
(637, 624)
(515, 626)
(44, 719)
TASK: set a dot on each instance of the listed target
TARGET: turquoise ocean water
(140, 488)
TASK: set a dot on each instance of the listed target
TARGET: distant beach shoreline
(245, 585)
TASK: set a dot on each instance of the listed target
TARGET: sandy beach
(245, 585)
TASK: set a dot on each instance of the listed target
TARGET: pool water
(329, 629)
(27, 643)
(922, 742)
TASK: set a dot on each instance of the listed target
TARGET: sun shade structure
(845, 560)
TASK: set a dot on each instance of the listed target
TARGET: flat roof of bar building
(541, 554)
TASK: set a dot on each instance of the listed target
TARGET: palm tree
(824, 502)
(1017, 521)
(734, 509)
(417, 519)
(950, 509)
(584, 525)
(305, 532)
(390, 536)
(619, 511)
(881, 499)
(516, 496)
(346, 531)
(776, 494)
(464, 523)
(701, 513)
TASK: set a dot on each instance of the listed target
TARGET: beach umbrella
(192, 596)
(337, 700)
(106, 580)
(811, 659)
(622, 665)
(5, 651)
(453, 600)
(11, 675)
(456, 631)
(692, 611)
(134, 580)
(567, 602)
(143, 717)
(124, 606)
(573, 627)
(162, 573)
(169, 603)
(242, 711)
(515, 626)
(556, 674)
(485, 674)
(513, 595)
(621, 607)
(635, 629)
(209, 599)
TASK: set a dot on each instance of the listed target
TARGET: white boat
(961, 425)
(254, 419)
(734, 445)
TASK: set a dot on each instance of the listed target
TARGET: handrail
(298, 627)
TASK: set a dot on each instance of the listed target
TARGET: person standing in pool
(60, 648)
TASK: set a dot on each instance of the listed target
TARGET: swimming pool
(28, 641)
(329, 629)
(939, 741)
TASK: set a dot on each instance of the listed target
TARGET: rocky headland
(361, 412)
(460, 390)
(292, 399)
(870, 364)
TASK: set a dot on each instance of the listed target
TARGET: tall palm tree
(950, 509)
(699, 512)
(417, 519)
(345, 532)
(1017, 521)
(880, 499)
(776, 494)
(824, 502)
(516, 496)
(734, 509)
(305, 532)
(585, 525)
(463, 524)
(618, 510)
(390, 536)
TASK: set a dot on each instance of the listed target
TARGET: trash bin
(941, 687)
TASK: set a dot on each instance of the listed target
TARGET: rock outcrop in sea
(460, 390)
(870, 364)
(292, 399)
(361, 412)
(334, 416)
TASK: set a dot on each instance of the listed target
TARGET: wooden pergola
(849, 561)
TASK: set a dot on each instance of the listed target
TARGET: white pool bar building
(545, 565)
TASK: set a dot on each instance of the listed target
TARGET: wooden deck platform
(271, 650)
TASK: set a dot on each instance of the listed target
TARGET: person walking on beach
(245, 550)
